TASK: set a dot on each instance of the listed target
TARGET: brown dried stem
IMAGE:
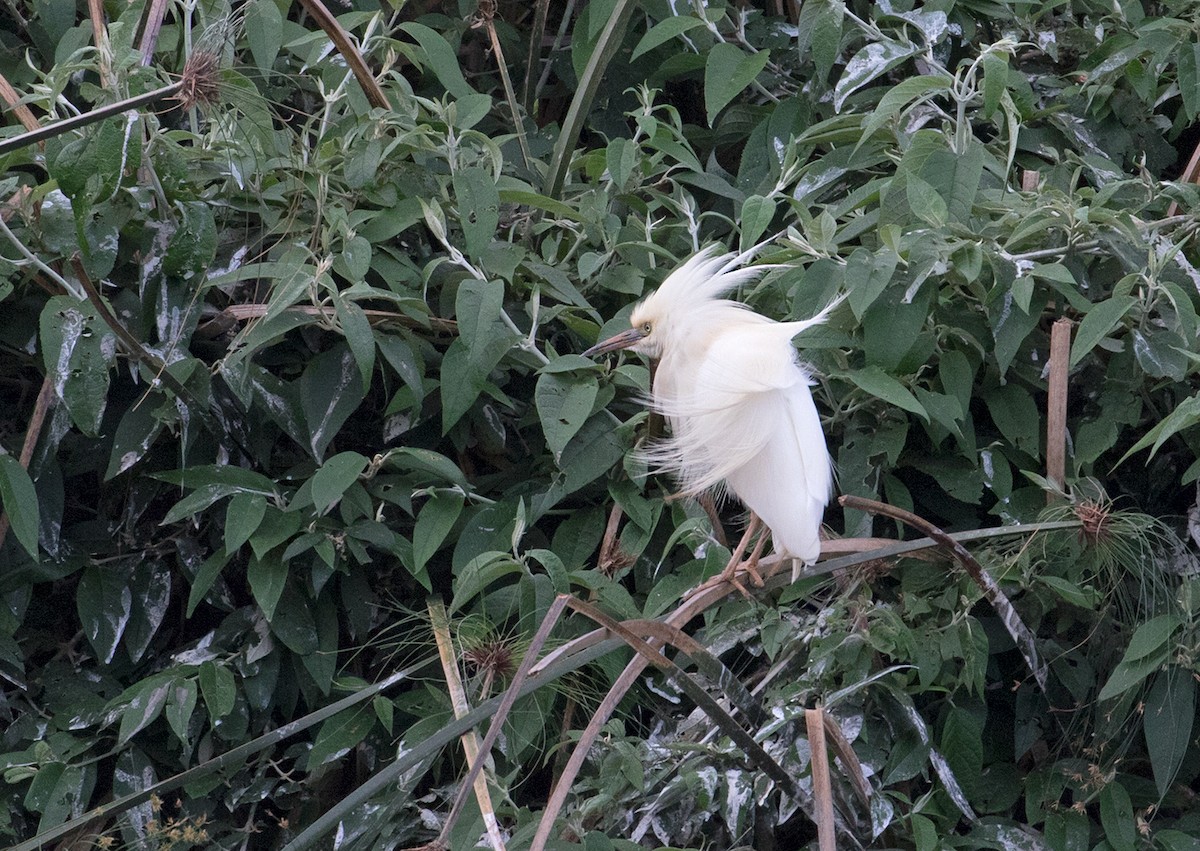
(991, 591)
(1056, 404)
(349, 50)
(814, 720)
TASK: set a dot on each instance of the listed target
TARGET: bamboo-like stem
(13, 100)
(49, 131)
(1056, 405)
(814, 719)
(350, 52)
(458, 700)
(489, 24)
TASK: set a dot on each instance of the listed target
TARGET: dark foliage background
(291, 402)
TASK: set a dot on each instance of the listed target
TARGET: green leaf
(433, 525)
(104, 602)
(962, 745)
(879, 384)
(440, 57)
(1185, 415)
(478, 208)
(621, 157)
(925, 202)
(1016, 415)
(78, 350)
(219, 689)
(143, 708)
(19, 501)
(267, 577)
(1151, 636)
(757, 213)
(242, 516)
(330, 390)
(359, 337)
(995, 81)
(1116, 817)
(871, 62)
(334, 477)
(264, 31)
(1167, 723)
(564, 403)
(663, 32)
(728, 70)
(339, 734)
(867, 275)
(181, 703)
(136, 433)
(194, 242)
(1097, 323)
(1189, 78)
(294, 623)
(899, 96)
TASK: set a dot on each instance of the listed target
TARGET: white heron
(738, 402)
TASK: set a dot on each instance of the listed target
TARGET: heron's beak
(624, 340)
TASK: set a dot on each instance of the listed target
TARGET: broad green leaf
(267, 577)
(233, 479)
(1167, 722)
(1132, 672)
(879, 384)
(205, 577)
(871, 62)
(962, 745)
(104, 602)
(995, 81)
(219, 689)
(78, 350)
(334, 477)
(1116, 817)
(757, 213)
(1189, 78)
(194, 242)
(528, 198)
(664, 31)
(867, 275)
(90, 168)
(242, 516)
(437, 466)
(359, 337)
(478, 208)
(621, 157)
(1185, 415)
(264, 31)
(339, 734)
(330, 390)
(1161, 353)
(294, 623)
(564, 403)
(729, 69)
(19, 501)
(433, 525)
(899, 96)
(1097, 323)
(1151, 636)
(136, 433)
(151, 595)
(1016, 415)
(925, 201)
(440, 57)
(182, 698)
(143, 707)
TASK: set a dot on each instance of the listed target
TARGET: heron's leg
(751, 564)
(729, 574)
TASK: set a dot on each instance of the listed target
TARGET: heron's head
(677, 302)
(644, 335)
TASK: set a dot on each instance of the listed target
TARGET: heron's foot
(748, 569)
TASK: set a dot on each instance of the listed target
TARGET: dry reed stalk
(458, 700)
(1056, 405)
(814, 720)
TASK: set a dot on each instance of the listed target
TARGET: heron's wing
(727, 406)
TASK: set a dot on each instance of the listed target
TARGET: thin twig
(487, 12)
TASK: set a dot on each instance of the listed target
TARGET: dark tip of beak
(623, 340)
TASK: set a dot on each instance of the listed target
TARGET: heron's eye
(645, 327)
